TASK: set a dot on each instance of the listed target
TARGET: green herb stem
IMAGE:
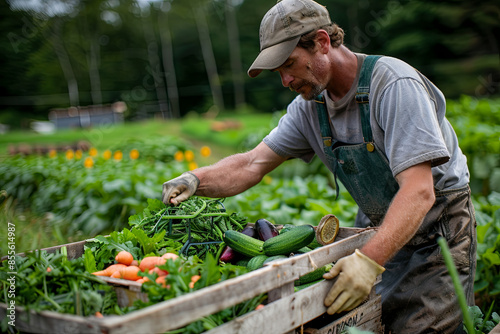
(47, 298)
(487, 316)
(456, 283)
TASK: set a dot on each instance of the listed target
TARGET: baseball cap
(281, 29)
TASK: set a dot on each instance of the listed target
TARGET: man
(379, 126)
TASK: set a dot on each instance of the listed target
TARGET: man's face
(304, 73)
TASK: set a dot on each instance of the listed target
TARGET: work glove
(356, 275)
(180, 189)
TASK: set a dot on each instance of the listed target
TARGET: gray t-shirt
(407, 115)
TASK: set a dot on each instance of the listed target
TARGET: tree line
(172, 57)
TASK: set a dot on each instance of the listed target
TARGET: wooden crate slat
(290, 312)
(367, 316)
(495, 330)
(51, 322)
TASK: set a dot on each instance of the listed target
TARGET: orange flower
(52, 153)
(267, 179)
(179, 156)
(78, 154)
(189, 155)
(93, 152)
(88, 162)
(118, 155)
(205, 151)
(107, 155)
(192, 165)
(70, 154)
(134, 154)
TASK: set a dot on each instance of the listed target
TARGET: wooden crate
(495, 330)
(286, 311)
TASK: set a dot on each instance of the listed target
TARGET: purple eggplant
(265, 229)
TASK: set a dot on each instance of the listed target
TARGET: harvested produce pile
(171, 251)
(147, 252)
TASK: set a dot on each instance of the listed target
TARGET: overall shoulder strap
(363, 96)
(324, 123)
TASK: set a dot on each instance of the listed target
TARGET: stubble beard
(314, 91)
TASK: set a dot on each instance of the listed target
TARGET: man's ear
(322, 41)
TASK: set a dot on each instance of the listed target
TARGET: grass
(239, 127)
(31, 231)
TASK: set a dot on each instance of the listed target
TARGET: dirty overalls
(417, 292)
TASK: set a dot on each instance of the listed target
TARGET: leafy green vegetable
(103, 249)
(487, 280)
(89, 261)
(66, 287)
(483, 324)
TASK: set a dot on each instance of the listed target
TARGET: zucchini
(243, 244)
(256, 262)
(289, 242)
(313, 275)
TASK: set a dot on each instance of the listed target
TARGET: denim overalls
(417, 292)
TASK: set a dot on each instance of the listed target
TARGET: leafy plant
(92, 200)
(477, 124)
(482, 324)
(295, 201)
(487, 281)
(101, 250)
(46, 281)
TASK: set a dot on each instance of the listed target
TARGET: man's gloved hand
(356, 275)
(180, 188)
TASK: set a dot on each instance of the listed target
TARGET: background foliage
(171, 57)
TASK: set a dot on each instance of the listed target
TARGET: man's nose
(286, 79)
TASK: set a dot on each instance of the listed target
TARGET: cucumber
(313, 275)
(243, 244)
(275, 257)
(243, 262)
(303, 286)
(314, 244)
(229, 255)
(256, 262)
(287, 228)
(289, 242)
(303, 250)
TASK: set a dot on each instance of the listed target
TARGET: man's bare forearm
(236, 173)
